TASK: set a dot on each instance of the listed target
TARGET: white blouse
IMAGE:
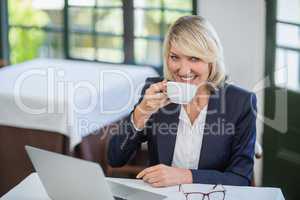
(189, 140)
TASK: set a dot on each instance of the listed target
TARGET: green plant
(25, 43)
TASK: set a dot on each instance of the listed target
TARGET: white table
(32, 189)
(73, 98)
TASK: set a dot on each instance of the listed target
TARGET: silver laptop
(65, 178)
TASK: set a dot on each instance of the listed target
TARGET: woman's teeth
(188, 78)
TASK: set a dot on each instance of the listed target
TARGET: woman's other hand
(163, 176)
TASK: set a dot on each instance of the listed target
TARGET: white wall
(241, 28)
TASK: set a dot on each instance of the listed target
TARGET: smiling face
(187, 69)
(193, 53)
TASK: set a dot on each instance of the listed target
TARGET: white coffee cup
(181, 93)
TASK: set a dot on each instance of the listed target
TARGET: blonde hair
(196, 37)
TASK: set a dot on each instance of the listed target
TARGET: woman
(209, 140)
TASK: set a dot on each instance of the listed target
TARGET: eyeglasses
(216, 193)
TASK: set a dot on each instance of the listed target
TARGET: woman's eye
(194, 59)
(173, 57)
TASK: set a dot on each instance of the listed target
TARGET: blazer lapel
(167, 132)
(168, 126)
(213, 112)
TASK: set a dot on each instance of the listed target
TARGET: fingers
(155, 105)
(156, 96)
(155, 101)
(159, 87)
(141, 174)
(148, 170)
(152, 177)
(159, 176)
(155, 178)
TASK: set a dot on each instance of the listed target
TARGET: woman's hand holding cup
(155, 98)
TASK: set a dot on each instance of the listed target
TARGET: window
(152, 19)
(287, 61)
(35, 29)
(96, 30)
(116, 31)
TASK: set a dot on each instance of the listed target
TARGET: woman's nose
(184, 68)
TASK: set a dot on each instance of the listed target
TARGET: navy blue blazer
(227, 152)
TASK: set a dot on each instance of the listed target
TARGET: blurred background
(95, 30)
(261, 40)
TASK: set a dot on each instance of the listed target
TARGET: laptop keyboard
(123, 192)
